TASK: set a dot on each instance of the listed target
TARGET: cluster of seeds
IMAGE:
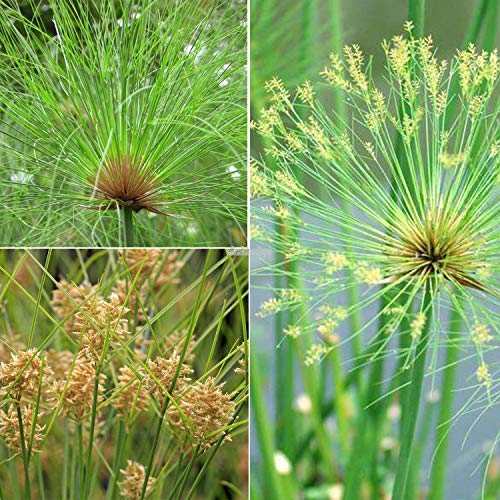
(113, 370)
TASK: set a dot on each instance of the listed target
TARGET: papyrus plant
(410, 222)
(127, 126)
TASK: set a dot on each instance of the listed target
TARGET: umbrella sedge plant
(123, 374)
(420, 241)
(126, 127)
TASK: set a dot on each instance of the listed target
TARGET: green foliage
(141, 105)
(408, 220)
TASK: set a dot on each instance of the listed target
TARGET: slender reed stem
(340, 400)
(368, 426)
(262, 429)
(438, 473)
(87, 472)
(341, 110)
(411, 399)
(285, 366)
(474, 27)
(27, 488)
(416, 11)
(128, 222)
(490, 29)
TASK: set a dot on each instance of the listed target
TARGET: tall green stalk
(411, 396)
(416, 13)
(439, 469)
(128, 224)
(27, 488)
(490, 30)
(264, 433)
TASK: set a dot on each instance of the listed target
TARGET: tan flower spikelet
(175, 342)
(97, 319)
(133, 299)
(66, 299)
(21, 375)
(133, 479)
(164, 370)
(10, 430)
(207, 410)
(130, 395)
(77, 391)
(152, 264)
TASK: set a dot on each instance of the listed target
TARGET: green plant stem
(490, 29)
(412, 489)
(438, 473)
(285, 366)
(120, 444)
(341, 403)
(416, 12)
(27, 488)
(87, 473)
(369, 426)
(474, 27)
(410, 396)
(263, 431)
(128, 222)
(154, 446)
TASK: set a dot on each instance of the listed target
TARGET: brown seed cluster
(10, 428)
(74, 385)
(20, 377)
(131, 485)
(152, 264)
(162, 376)
(100, 320)
(67, 298)
(77, 391)
(207, 411)
(130, 397)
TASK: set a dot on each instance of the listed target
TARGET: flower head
(131, 485)
(207, 411)
(20, 377)
(10, 428)
(409, 177)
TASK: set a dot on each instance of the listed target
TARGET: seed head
(153, 264)
(133, 480)
(66, 299)
(20, 377)
(130, 396)
(11, 432)
(163, 370)
(77, 391)
(98, 318)
(208, 411)
(440, 244)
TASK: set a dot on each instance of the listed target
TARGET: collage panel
(374, 256)
(123, 123)
(123, 374)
